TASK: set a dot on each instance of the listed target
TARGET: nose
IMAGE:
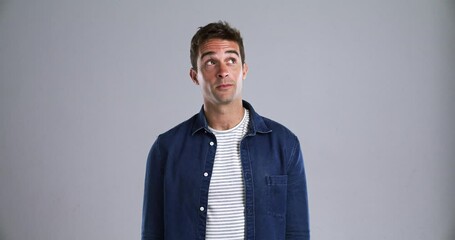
(223, 71)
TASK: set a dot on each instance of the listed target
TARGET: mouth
(224, 86)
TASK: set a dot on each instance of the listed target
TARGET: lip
(224, 86)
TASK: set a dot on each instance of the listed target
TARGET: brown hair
(221, 30)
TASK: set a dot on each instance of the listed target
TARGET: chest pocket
(276, 195)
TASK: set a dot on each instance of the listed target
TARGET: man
(227, 172)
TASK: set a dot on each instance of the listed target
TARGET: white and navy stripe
(226, 199)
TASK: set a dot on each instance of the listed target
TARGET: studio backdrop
(367, 86)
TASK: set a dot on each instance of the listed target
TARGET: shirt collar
(257, 124)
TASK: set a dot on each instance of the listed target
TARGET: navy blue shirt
(178, 175)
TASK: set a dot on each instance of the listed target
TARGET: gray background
(368, 86)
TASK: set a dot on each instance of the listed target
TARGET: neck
(224, 117)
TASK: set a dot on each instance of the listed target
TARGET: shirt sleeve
(297, 215)
(153, 211)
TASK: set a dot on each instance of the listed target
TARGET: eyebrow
(228, 51)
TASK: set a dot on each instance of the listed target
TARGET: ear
(193, 76)
(244, 71)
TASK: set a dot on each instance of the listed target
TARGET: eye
(232, 60)
(210, 62)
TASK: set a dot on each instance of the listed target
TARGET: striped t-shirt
(226, 199)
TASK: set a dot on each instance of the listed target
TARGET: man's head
(216, 30)
(218, 66)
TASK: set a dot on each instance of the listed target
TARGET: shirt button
(212, 143)
(202, 209)
(206, 174)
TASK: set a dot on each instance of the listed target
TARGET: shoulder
(279, 130)
(179, 131)
(268, 126)
(279, 138)
(276, 126)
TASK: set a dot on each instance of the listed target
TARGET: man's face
(220, 72)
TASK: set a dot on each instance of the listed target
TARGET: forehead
(218, 46)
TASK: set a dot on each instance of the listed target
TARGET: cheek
(207, 74)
